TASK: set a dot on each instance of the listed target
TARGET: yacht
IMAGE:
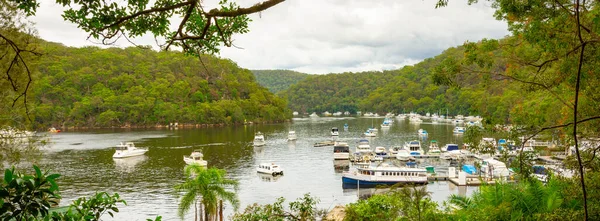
(335, 131)
(341, 151)
(433, 148)
(385, 175)
(380, 151)
(459, 130)
(403, 155)
(364, 147)
(128, 149)
(195, 158)
(269, 168)
(259, 139)
(292, 135)
(449, 147)
(414, 147)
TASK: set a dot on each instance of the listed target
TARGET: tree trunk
(201, 211)
(220, 210)
(195, 210)
(206, 214)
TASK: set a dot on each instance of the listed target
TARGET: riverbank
(170, 126)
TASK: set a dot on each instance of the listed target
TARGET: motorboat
(127, 149)
(380, 151)
(259, 139)
(422, 133)
(335, 131)
(384, 175)
(370, 133)
(494, 168)
(346, 127)
(434, 149)
(313, 115)
(394, 150)
(195, 158)
(377, 158)
(414, 147)
(415, 119)
(269, 168)
(295, 113)
(403, 155)
(292, 135)
(449, 147)
(341, 151)
(364, 147)
(459, 130)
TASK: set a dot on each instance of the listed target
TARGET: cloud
(317, 36)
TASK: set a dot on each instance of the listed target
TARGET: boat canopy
(470, 169)
(451, 147)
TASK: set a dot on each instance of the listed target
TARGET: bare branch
(244, 11)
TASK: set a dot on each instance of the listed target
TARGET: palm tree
(207, 186)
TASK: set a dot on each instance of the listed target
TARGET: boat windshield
(341, 149)
(120, 148)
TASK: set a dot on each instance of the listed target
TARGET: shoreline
(162, 126)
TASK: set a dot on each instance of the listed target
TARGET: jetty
(324, 143)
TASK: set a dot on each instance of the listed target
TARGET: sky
(329, 36)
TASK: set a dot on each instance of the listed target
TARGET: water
(85, 161)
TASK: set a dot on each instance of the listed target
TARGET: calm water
(85, 161)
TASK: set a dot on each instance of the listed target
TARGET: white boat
(394, 150)
(259, 139)
(449, 147)
(415, 119)
(313, 115)
(494, 168)
(326, 114)
(295, 113)
(422, 133)
(384, 175)
(335, 131)
(195, 158)
(380, 151)
(127, 149)
(433, 148)
(377, 158)
(370, 133)
(269, 168)
(364, 147)
(341, 151)
(403, 155)
(414, 147)
(292, 135)
(459, 130)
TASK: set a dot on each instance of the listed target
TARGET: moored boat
(459, 130)
(380, 151)
(127, 149)
(422, 133)
(363, 147)
(335, 131)
(292, 135)
(385, 175)
(259, 139)
(403, 155)
(195, 158)
(433, 148)
(414, 147)
(341, 151)
(269, 168)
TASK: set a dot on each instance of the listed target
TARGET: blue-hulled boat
(384, 175)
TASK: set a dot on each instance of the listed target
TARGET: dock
(324, 143)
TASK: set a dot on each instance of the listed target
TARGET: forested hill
(278, 80)
(96, 87)
(408, 89)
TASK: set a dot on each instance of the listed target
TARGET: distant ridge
(278, 80)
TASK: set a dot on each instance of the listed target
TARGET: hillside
(93, 87)
(278, 80)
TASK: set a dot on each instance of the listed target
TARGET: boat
(313, 115)
(385, 125)
(326, 114)
(450, 147)
(384, 175)
(414, 147)
(380, 151)
(494, 168)
(403, 155)
(422, 133)
(127, 149)
(295, 113)
(433, 148)
(341, 151)
(269, 168)
(502, 144)
(370, 133)
(363, 147)
(346, 127)
(53, 130)
(459, 130)
(259, 139)
(394, 150)
(292, 135)
(335, 131)
(377, 158)
(195, 158)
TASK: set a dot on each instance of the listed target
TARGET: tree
(207, 186)
(303, 209)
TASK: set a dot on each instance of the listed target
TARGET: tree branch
(149, 11)
(244, 11)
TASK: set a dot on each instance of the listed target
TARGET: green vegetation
(92, 87)
(303, 209)
(278, 80)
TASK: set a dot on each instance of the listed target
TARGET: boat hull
(129, 154)
(365, 183)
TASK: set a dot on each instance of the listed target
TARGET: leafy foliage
(90, 209)
(25, 197)
(92, 87)
(278, 80)
(302, 209)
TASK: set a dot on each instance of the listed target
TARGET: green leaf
(8, 175)
(38, 172)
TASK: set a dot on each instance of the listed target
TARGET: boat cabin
(341, 148)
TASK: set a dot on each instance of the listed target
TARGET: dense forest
(409, 89)
(93, 87)
(278, 80)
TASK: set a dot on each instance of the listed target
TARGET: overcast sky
(330, 36)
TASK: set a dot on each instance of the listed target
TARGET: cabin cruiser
(259, 139)
(494, 168)
(394, 150)
(404, 155)
(414, 147)
(128, 149)
(292, 135)
(346, 127)
(380, 151)
(459, 130)
(269, 168)
(385, 175)
(195, 158)
(341, 151)
(364, 147)
(335, 131)
(449, 147)
(370, 133)
(377, 158)
(433, 148)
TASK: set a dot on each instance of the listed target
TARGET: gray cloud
(323, 36)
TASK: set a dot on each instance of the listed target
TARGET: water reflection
(128, 164)
(341, 166)
(268, 177)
